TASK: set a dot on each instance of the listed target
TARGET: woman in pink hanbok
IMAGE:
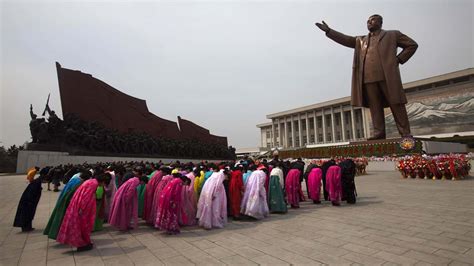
(151, 219)
(254, 202)
(293, 188)
(150, 192)
(314, 184)
(333, 184)
(124, 211)
(170, 209)
(212, 204)
(189, 200)
(79, 219)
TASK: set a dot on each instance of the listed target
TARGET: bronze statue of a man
(376, 81)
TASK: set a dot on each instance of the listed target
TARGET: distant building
(437, 106)
(250, 152)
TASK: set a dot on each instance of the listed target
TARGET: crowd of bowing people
(168, 197)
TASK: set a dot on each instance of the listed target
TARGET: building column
(353, 124)
(365, 127)
(300, 131)
(315, 127)
(286, 133)
(308, 131)
(343, 126)
(324, 126)
(292, 132)
(280, 138)
(273, 134)
(333, 137)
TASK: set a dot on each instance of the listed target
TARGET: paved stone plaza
(395, 221)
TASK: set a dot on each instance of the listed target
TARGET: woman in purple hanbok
(212, 205)
(124, 210)
(189, 201)
(254, 202)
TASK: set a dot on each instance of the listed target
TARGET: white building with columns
(330, 122)
(337, 122)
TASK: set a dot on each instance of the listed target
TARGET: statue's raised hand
(324, 27)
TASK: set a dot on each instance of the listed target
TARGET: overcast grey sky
(224, 65)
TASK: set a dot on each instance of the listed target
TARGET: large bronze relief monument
(101, 120)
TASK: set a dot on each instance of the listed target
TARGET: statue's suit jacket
(388, 43)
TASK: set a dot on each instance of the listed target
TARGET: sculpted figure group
(87, 137)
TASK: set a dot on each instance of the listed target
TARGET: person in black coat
(27, 206)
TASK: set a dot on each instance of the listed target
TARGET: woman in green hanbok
(142, 191)
(276, 199)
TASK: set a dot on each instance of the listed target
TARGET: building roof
(339, 101)
(443, 77)
(266, 124)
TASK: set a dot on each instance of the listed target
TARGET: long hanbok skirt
(141, 198)
(189, 203)
(236, 188)
(254, 202)
(212, 205)
(79, 220)
(100, 209)
(149, 193)
(333, 183)
(151, 219)
(276, 198)
(124, 210)
(170, 208)
(314, 184)
(293, 188)
(27, 206)
(56, 218)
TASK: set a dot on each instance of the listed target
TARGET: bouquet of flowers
(444, 166)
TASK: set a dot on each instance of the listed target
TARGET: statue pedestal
(378, 148)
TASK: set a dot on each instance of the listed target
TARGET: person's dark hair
(148, 170)
(212, 165)
(197, 171)
(138, 170)
(108, 178)
(102, 178)
(378, 17)
(144, 179)
(185, 179)
(85, 174)
(253, 167)
(166, 170)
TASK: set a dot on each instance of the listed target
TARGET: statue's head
(374, 23)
